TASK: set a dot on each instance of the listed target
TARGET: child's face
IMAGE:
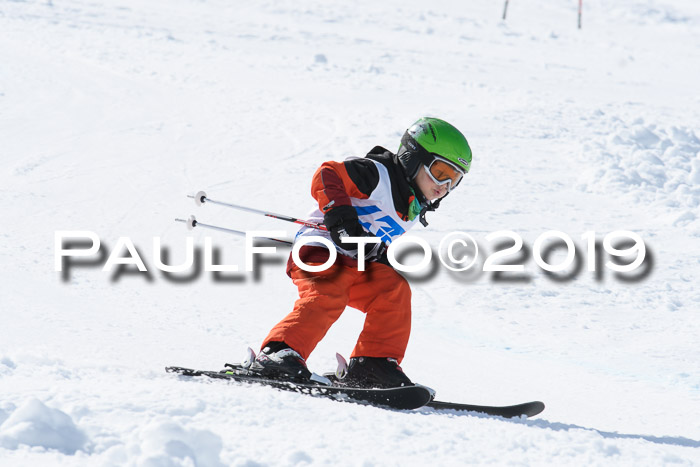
(430, 189)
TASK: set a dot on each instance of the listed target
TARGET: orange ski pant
(379, 291)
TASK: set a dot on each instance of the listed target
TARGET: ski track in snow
(110, 112)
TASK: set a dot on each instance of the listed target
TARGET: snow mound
(647, 13)
(165, 442)
(651, 164)
(35, 424)
(6, 366)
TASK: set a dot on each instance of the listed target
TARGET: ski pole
(201, 197)
(505, 9)
(580, 7)
(191, 223)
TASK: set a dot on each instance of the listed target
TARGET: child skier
(383, 195)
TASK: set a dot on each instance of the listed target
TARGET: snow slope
(111, 112)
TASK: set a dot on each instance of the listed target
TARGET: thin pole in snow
(505, 9)
(580, 7)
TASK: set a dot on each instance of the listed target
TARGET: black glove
(342, 222)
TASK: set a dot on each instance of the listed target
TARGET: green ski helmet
(430, 138)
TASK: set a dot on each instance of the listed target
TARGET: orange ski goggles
(443, 172)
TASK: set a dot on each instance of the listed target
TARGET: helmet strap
(429, 207)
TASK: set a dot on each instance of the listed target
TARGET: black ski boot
(277, 360)
(375, 372)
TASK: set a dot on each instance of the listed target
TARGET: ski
(403, 398)
(528, 409)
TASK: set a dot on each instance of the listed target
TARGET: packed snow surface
(112, 112)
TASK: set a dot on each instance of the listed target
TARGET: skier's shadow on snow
(557, 426)
(667, 440)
